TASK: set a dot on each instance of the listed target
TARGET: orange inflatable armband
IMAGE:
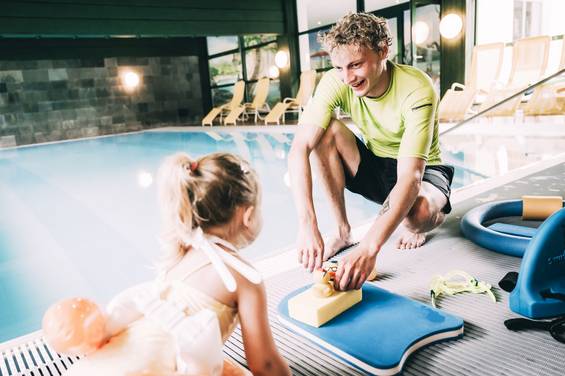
(74, 326)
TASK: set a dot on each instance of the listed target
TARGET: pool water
(81, 219)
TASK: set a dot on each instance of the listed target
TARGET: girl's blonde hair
(357, 29)
(203, 193)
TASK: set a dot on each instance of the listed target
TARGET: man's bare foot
(334, 245)
(410, 240)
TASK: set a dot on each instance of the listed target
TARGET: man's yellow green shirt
(402, 122)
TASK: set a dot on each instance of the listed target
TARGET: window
(274, 95)
(217, 45)
(425, 35)
(255, 39)
(508, 20)
(225, 69)
(259, 60)
(222, 95)
(317, 13)
(312, 55)
(393, 49)
(394, 12)
(527, 15)
(372, 5)
(226, 65)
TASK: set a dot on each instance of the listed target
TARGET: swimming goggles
(456, 282)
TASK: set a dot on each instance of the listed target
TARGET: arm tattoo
(385, 207)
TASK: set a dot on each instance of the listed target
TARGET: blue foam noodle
(507, 239)
(473, 229)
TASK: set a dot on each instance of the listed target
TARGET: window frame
(242, 51)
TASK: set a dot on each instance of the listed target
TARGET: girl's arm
(261, 352)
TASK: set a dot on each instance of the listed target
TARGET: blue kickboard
(379, 333)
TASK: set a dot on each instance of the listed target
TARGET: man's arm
(356, 267)
(310, 246)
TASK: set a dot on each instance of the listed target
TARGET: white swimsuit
(150, 344)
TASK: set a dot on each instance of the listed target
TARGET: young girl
(210, 208)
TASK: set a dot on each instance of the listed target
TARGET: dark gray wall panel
(139, 18)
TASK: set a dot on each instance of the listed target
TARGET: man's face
(361, 68)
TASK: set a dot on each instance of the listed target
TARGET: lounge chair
(529, 61)
(258, 105)
(485, 69)
(305, 90)
(549, 98)
(237, 98)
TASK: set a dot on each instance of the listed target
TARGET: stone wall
(51, 100)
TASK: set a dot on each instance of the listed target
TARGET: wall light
(450, 26)
(130, 80)
(273, 72)
(281, 59)
(420, 31)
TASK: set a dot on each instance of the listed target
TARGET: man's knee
(329, 139)
(423, 216)
(338, 143)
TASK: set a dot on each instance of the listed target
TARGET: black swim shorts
(376, 176)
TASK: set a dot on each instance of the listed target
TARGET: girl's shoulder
(248, 290)
(195, 278)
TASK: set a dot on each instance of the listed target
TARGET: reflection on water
(494, 146)
(496, 155)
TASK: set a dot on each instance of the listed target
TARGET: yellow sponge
(309, 308)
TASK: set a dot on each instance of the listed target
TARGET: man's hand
(355, 268)
(310, 247)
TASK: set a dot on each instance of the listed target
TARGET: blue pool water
(75, 220)
(80, 218)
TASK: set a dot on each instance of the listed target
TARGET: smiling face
(363, 69)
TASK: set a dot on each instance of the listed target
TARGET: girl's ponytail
(176, 199)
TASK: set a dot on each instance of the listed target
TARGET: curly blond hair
(358, 29)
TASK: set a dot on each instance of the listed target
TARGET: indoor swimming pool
(80, 218)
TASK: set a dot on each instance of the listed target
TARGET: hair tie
(244, 168)
(193, 166)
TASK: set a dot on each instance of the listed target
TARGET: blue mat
(379, 333)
